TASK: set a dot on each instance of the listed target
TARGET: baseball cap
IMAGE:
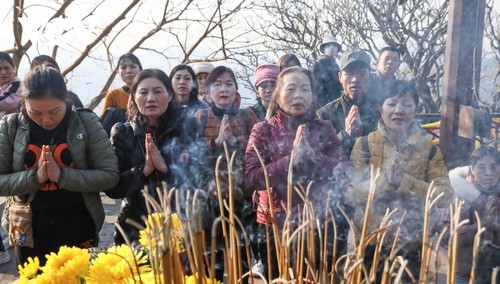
(354, 56)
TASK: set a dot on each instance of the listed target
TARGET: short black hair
(390, 48)
(286, 59)
(482, 152)
(399, 88)
(216, 73)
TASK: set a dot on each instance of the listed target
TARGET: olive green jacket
(421, 164)
(95, 163)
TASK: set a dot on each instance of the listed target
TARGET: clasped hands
(225, 132)
(394, 169)
(302, 150)
(48, 170)
(154, 159)
(353, 126)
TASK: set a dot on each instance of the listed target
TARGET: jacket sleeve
(131, 177)
(13, 183)
(277, 170)
(357, 194)
(108, 102)
(102, 172)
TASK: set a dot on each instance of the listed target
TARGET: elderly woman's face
(295, 97)
(486, 172)
(223, 91)
(6, 72)
(398, 112)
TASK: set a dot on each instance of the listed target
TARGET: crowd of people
(328, 125)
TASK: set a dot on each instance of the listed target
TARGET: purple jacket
(274, 141)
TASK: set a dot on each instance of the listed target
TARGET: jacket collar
(414, 134)
(290, 122)
(168, 122)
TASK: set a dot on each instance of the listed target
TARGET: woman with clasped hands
(63, 157)
(408, 162)
(292, 134)
(160, 144)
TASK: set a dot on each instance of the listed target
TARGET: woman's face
(295, 97)
(182, 82)
(398, 112)
(128, 70)
(223, 91)
(265, 90)
(486, 172)
(46, 112)
(6, 72)
(152, 99)
(201, 78)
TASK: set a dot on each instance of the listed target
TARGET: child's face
(486, 172)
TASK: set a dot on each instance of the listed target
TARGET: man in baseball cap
(355, 113)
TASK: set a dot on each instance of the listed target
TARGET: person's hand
(41, 173)
(353, 123)
(225, 132)
(154, 159)
(52, 169)
(301, 147)
(394, 169)
(47, 166)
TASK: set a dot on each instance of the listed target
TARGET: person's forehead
(4, 62)
(390, 53)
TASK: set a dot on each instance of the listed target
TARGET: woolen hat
(329, 39)
(354, 56)
(266, 72)
(202, 67)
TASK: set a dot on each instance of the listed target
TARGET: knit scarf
(219, 113)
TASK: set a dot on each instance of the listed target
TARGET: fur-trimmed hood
(463, 187)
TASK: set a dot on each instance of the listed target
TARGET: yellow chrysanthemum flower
(69, 265)
(154, 232)
(149, 278)
(23, 280)
(29, 269)
(193, 279)
(118, 265)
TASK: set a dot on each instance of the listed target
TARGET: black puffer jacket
(326, 81)
(176, 134)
